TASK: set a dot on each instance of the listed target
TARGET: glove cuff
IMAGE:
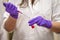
(14, 16)
(49, 24)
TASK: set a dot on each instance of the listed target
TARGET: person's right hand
(11, 9)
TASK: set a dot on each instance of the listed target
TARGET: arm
(55, 27)
(10, 24)
(40, 21)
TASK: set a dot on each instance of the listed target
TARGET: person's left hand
(40, 21)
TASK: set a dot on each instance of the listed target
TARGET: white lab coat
(1, 17)
(48, 9)
(1, 10)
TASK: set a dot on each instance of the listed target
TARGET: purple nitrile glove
(11, 9)
(40, 21)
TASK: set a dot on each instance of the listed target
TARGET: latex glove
(40, 21)
(11, 9)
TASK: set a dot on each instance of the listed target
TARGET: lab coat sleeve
(1, 14)
(56, 15)
(56, 10)
(2, 10)
(4, 32)
(5, 17)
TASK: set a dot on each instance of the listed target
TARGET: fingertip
(29, 22)
(4, 4)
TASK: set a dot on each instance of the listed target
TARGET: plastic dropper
(28, 17)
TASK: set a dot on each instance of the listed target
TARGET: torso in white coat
(24, 31)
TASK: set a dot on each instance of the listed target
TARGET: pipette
(11, 34)
(33, 27)
(28, 17)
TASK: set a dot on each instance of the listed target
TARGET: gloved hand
(11, 9)
(40, 21)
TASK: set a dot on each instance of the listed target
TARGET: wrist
(49, 24)
(14, 16)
